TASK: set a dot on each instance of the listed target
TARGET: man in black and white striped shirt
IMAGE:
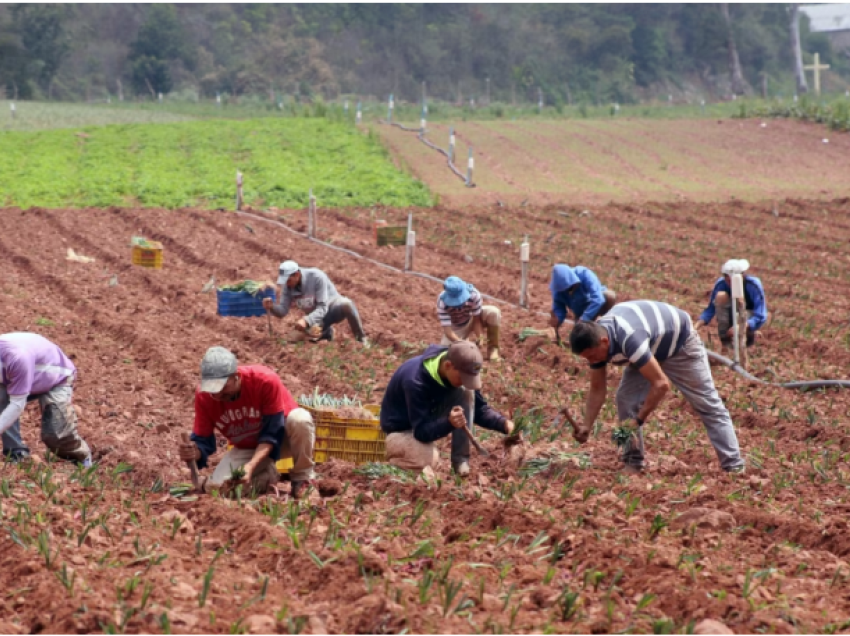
(661, 347)
(462, 315)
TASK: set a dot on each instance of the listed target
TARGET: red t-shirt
(241, 421)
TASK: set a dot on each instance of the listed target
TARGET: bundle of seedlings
(344, 407)
(252, 287)
(530, 332)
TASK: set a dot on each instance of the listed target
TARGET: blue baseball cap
(456, 291)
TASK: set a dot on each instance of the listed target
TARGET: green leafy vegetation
(195, 164)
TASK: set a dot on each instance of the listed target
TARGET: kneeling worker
(250, 407)
(462, 315)
(312, 291)
(34, 368)
(425, 401)
(579, 290)
(720, 303)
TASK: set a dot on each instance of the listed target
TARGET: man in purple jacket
(33, 368)
(425, 401)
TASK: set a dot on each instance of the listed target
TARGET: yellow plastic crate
(148, 256)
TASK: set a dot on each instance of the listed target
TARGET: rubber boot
(493, 343)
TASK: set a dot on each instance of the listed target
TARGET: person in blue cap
(720, 303)
(463, 316)
(578, 290)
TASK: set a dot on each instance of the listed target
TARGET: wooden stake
(238, 191)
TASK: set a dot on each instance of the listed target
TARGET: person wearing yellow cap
(720, 303)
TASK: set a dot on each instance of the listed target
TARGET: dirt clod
(329, 487)
(711, 626)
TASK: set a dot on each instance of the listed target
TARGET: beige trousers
(298, 441)
(490, 317)
(405, 451)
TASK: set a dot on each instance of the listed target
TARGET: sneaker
(365, 343)
(738, 470)
(628, 469)
(299, 488)
(461, 469)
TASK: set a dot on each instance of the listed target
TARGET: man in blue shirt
(720, 303)
(579, 290)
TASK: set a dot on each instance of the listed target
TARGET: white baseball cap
(287, 269)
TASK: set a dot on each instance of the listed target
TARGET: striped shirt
(460, 315)
(641, 329)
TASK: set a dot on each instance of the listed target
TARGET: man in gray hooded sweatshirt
(312, 291)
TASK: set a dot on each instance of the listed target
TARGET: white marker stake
(218, 100)
(451, 145)
(408, 257)
(238, 190)
(160, 98)
(524, 255)
(469, 166)
(12, 108)
(737, 293)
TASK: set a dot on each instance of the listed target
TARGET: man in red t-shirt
(250, 407)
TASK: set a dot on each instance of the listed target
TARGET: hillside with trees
(567, 53)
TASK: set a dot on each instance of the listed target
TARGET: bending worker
(720, 303)
(311, 290)
(249, 406)
(579, 290)
(425, 401)
(462, 315)
(661, 348)
(33, 368)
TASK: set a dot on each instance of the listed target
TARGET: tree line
(560, 53)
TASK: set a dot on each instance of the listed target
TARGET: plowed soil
(765, 551)
(593, 162)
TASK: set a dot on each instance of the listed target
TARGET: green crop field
(194, 163)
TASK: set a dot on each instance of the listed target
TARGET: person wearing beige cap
(310, 289)
(249, 406)
(425, 401)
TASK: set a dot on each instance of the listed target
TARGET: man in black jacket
(425, 401)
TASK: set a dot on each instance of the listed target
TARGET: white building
(833, 20)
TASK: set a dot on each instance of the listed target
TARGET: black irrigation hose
(802, 386)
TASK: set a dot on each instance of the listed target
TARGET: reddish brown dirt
(592, 162)
(780, 566)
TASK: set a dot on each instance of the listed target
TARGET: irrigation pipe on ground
(421, 136)
(802, 385)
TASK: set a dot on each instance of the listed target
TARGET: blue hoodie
(415, 401)
(753, 299)
(585, 301)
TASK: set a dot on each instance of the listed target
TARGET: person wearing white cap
(720, 303)
(310, 289)
(462, 314)
(249, 406)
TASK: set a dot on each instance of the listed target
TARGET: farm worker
(249, 406)
(462, 315)
(426, 400)
(579, 290)
(313, 292)
(660, 347)
(33, 368)
(720, 303)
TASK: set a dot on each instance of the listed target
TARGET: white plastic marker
(422, 120)
(238, 190)
(737, 293)
(359, 116)
(12, 108)
(218, 99)
(311, 216)
(390, 107)
(826, 141)
(408, 256)
(524, 256)
(160, 98)
(451, 145)
(346, 107)
(469, 166)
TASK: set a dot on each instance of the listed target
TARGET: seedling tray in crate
(352, 440)
(242, 304)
